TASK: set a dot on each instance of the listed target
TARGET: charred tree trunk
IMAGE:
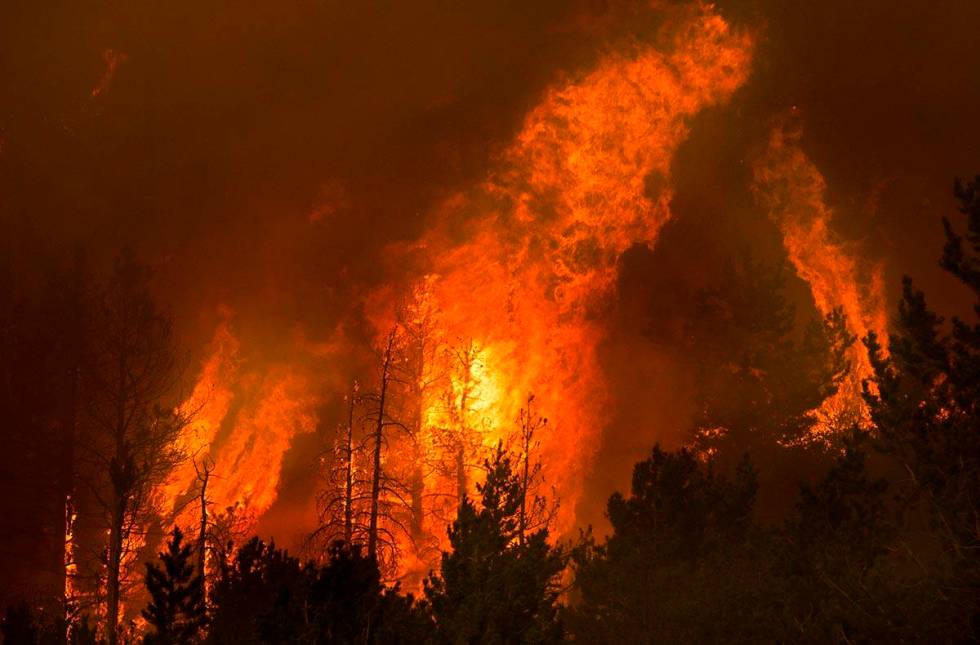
(71, 510)
(114, 555)
(522, 516)
(529, 425)
(417, 493)
(461, 483)
(416, 477)
(203, 475)
(538, 515)
(76, 340)
(378, 441)
(349, 469)
(120, 476)
(462, 430)
(131, 422)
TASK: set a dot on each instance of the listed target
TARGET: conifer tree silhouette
(176, 610)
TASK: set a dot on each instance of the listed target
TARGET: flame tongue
(519, 269)
(244, 421)
(792, 188)
(522, 265)
(586, 177)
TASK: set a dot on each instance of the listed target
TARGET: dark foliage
(260, 579)
(492, 587)
(760, 376)
(883, 547)
(925, 406)
(267, 596)
(681, 564)
(176, 611)
(23, 625)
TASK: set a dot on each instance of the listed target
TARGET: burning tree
(131, 427)
(177, 609)
(460, 438)
(381, 539)
(419, 375)
(925, 408)
(343, 505)
(535, 512)
(364, 493)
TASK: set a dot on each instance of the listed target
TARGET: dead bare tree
(536, 511)
(381, 539)
(343, 504)
(347, 465)
(419, 374)
(131, 418)
(203, 473)
(227, 530)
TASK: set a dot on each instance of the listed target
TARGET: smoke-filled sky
(262, 156)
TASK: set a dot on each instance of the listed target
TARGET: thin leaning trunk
(349, 472)
(202, 537)
(378, 440)
(461, 484)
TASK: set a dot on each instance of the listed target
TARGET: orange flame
(792, 188)
(112, 59)
(523, 265)
(243, 423)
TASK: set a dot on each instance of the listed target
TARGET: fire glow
(519, 267)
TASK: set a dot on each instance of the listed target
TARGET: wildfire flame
(520, 267)
(524, 264)
(792, 189)
(243, 423)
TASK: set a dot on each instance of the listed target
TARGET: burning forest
(647, 321)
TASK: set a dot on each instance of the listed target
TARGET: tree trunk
(349, 471)
(417, 491)
(378, 439)
(460, 472)
(113, 565)
(68, 590)
(202, 538)
(71, 512)
(527, 430)
(522, 518)
(76, 342)
(462, 430)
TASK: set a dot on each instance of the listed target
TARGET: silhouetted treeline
(871, 537)
(89, 393)
(492, 587)
(883, 547)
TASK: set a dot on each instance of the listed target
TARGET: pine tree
(681, 565)
(349, 604)
(257, 595)
(492, 588)
(760, 377)
(831, 555)
(176, 611)
(925, 409)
